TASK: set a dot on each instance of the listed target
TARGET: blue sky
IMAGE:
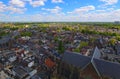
(59, 10)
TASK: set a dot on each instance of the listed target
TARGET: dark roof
(35, 77)
(76, 59)
(4, 39)
(108, 68)
(20, 72)
(103, 68)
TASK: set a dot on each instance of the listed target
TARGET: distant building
(5, 42)
(20, 73)
(117, 22)
(3, 75)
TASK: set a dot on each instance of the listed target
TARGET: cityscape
(59, 39)
(60, 50)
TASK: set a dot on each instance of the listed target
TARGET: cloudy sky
(60, 10)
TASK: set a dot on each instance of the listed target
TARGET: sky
(59, 10)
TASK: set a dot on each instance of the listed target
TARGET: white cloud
(13, 9)
(17, 3)
(57, 1)
(83, 9)
(109, 2)
(37, 3)
(2, 7)
(55, 10)
(101, 16)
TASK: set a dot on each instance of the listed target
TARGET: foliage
(112, 41)
(77, 50)
(66, 28)
(14, 28)
(16, 37)
(61, 48)
(56, 39)
(26, 34)
(88, 31)
(118, 38)
(81, 45)
(3, 33)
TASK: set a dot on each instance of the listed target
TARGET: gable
(90, 71)
(96, 53)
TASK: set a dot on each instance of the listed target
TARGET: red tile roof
(49, 63)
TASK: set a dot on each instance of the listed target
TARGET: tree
(118, 38)
(56, 39)
(26, 34)
(83, 44)
(14, 28)
(77, 50)
(112, 41)
(61, 48)
(3, 33)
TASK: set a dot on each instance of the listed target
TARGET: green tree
(14, 28)
(61, 48)
(83, 44)
(77, 50)
(3, 33)
(118, 38)
(26, 34)
(112, 41)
